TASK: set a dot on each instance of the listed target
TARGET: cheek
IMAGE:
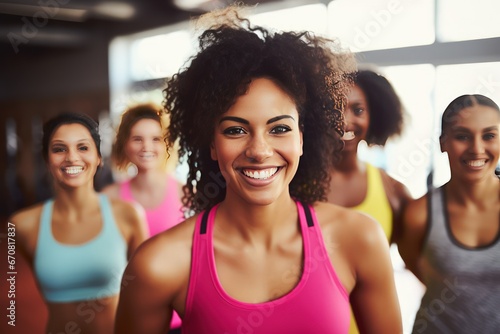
(293, 149)
(54, 161)
(130, 148)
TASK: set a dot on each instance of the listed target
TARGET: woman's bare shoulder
(334, 215)
(167, 254)
(112, 190)
(394, 187)
(416, 212)
(27, 219)
(348, 225)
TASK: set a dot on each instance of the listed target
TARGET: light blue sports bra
(92, 270)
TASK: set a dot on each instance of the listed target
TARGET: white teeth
(349, 135)
(73, 170)
(476, 163)
(262, 174)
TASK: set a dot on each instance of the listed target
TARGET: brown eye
(281, 129)
(235, 130)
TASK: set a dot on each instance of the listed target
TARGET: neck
(77, 199)
(349, 164)
(257, 224)
(149, 178)
(477, 192)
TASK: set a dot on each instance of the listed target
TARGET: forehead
(69, 133)
(263, 98)
(475, 118)
(356, 95)
(145, 123)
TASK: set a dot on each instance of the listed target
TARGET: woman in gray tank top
(451, 235)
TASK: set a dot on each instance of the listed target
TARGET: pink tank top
(318, 304)
(164, 216)
(161, 218)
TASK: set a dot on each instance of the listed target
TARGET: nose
(72, 155)
(147, 145)
(258, 149)
(348, 116)
(477, 145)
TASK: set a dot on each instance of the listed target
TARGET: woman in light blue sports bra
(79, 242)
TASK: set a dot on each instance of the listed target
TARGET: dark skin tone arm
(361, 258)
(413, 234)
(398, 196)
(158, 282)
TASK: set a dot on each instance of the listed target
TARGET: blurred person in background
(78, 242)
(451, 235)
(140, 143)
(374, 113)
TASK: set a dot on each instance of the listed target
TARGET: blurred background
(101, 56)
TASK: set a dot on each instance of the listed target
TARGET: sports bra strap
(204, 221)
(307, 212)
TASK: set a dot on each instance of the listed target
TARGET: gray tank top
(463, 283)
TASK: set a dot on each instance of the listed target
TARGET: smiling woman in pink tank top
(254, 114)
(139, 142)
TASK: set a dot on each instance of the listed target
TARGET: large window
(381, 24)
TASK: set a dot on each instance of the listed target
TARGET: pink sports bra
(164, 216)
(318, 304)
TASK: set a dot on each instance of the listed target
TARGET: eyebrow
(491, 128)
(80, 141)
(244, 121)
(464, 129)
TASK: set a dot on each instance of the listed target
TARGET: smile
(260, 174)
(349, 135)
(73, 170)
(476, 163)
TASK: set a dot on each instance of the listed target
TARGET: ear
(441, 143)
(213, 152)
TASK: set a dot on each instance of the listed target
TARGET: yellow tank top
(376, 204)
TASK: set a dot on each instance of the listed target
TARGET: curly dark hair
(232, 53)
(386, 109)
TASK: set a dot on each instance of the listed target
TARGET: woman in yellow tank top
(374, 113)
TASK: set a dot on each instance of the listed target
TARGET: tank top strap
(45, 227)
(436, 221)
(109, 226)
(125, 191)
(203, 222)
(306, 209)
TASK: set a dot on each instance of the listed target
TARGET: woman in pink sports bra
(139, 141)
(254, 113)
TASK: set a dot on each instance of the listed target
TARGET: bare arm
(139, 229)
(374, 299)
(132, 221)
(26, 225)
(398, 196)
(156, 283)
(413, 234)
